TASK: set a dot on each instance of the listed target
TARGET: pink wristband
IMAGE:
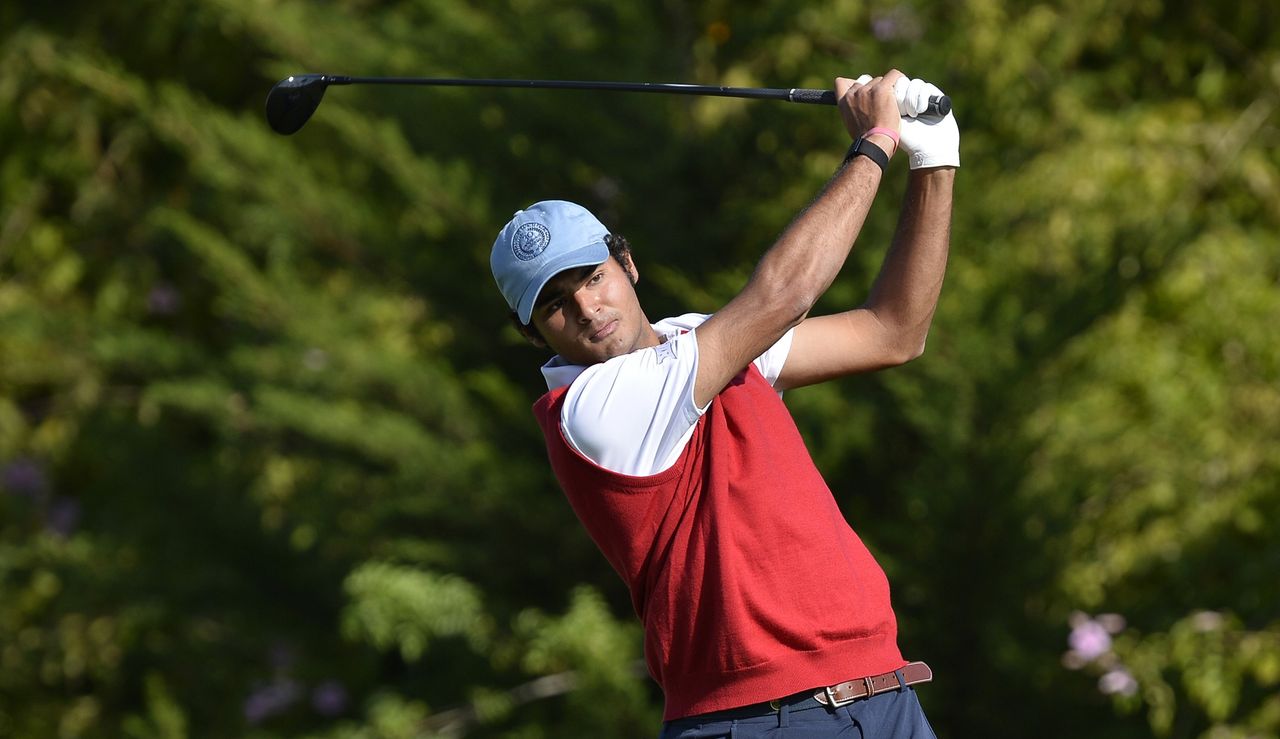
(892, 134)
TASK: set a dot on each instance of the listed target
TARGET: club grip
(939, 105)
(815, 97)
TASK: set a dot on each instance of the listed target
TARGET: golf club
(293, 100)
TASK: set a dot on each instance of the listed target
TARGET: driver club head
(292, 101)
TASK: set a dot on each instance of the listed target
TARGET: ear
(629, 266)
(529, 332)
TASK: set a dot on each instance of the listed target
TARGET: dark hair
(619, 249)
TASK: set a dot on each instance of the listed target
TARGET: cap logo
(530, 240)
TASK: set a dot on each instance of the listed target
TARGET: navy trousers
(893, 715)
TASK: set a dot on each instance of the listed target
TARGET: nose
(585, 303)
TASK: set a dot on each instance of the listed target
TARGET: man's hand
(929, 141)
(868, 103)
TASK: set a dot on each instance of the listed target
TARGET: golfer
(764, 614)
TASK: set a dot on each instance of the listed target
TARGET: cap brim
(586, 256)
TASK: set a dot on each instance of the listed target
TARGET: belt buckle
(837, 703)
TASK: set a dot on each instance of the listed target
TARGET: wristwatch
(870, 151)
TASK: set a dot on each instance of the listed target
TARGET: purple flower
(270, 700)
(898, 24)
(884, 27)
(1089, 640)
(24, 477)
(164, 300)
(1114, 623)
(329, 698)
(1118, 681)
(62, 516)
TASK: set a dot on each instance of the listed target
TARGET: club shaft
(937, 106)
(792, 95)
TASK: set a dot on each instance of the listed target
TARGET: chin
(604, 352)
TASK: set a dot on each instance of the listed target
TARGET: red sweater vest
(750, 584)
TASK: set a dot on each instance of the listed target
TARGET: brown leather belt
(865, 687)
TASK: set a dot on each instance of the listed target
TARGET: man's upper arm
(827, 347)
(732, 338)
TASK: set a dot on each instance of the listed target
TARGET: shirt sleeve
(770, 363)
(634, 414)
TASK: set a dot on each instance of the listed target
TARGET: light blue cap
(541, 241)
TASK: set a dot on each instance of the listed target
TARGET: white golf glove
(928, 141)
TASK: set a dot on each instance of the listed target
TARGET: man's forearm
(906, 291)
(807, 257)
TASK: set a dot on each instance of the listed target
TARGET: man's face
(592, 314)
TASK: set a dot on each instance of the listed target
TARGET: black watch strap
(870, 151)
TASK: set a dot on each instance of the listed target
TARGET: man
(764, 614)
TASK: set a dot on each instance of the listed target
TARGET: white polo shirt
(635, 413)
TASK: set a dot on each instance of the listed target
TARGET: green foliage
(604, 658)
(400, 607)
(266, 461)
(165, 718)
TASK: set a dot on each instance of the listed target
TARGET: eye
(597, 277)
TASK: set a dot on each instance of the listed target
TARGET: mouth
(604, 331)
